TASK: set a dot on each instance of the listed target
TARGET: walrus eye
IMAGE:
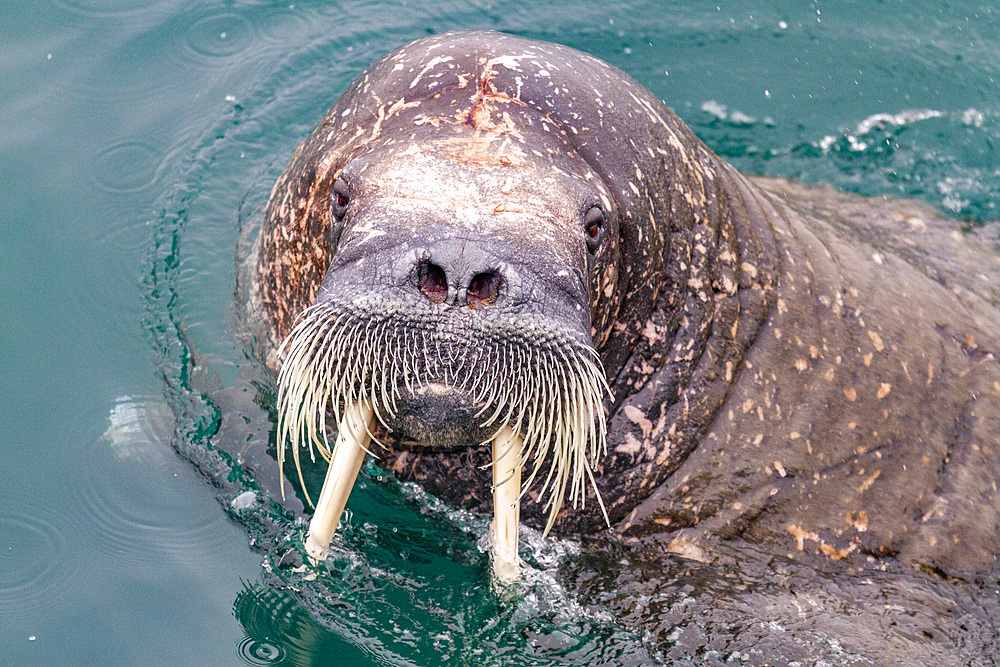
(593, 227)
(338, 206)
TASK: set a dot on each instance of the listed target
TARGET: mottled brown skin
(806, 379)
(864, 422)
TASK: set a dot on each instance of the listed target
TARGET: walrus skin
(805, 379)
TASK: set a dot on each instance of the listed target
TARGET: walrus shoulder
(864, 420)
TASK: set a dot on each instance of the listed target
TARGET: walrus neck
(720, 283)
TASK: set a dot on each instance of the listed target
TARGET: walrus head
(458, 300)
(481, 238)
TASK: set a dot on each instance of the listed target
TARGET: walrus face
(458, 302)
(461, 251)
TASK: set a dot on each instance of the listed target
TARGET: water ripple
(132, 527)
(220, 36)
(264, 614)
(34, 557)
(124, 504)
(284, 27)
(107, 7)
(945, 157)
(130, 166)
(256, 652)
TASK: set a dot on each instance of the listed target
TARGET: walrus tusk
(353, 435)
(506, 506)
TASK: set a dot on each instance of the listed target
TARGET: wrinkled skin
(810, 380)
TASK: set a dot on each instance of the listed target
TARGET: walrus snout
(430, 260)
(437, 416)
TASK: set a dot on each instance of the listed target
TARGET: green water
(137, 140)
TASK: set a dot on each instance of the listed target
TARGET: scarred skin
(812, 380)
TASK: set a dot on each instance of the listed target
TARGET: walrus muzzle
(384, 370)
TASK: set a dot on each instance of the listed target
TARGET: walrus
(490, 239)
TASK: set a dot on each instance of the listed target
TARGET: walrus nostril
(483, 289)
(432, 281)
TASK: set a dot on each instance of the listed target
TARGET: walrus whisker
(401, 369)
(525, 381)
(481, 397)
(346, 364)
(520, 381)
(558, 411)
(500, 405)
(302, 379)
(548, 386)
(495, 418)
(325, 449)
(534, 423)
(283, 429)
(374, 393)
(320, 384)
(505, 454)
(368, 377)
(577, 474)
(488, 372)
(600, 500)
(300, 345)
(409, 361)
(390, 390)
(483, 365)
(356, 396)
(521, 406)
(379, 390)
(498, 397)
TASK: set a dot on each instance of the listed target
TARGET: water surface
(140, 138)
